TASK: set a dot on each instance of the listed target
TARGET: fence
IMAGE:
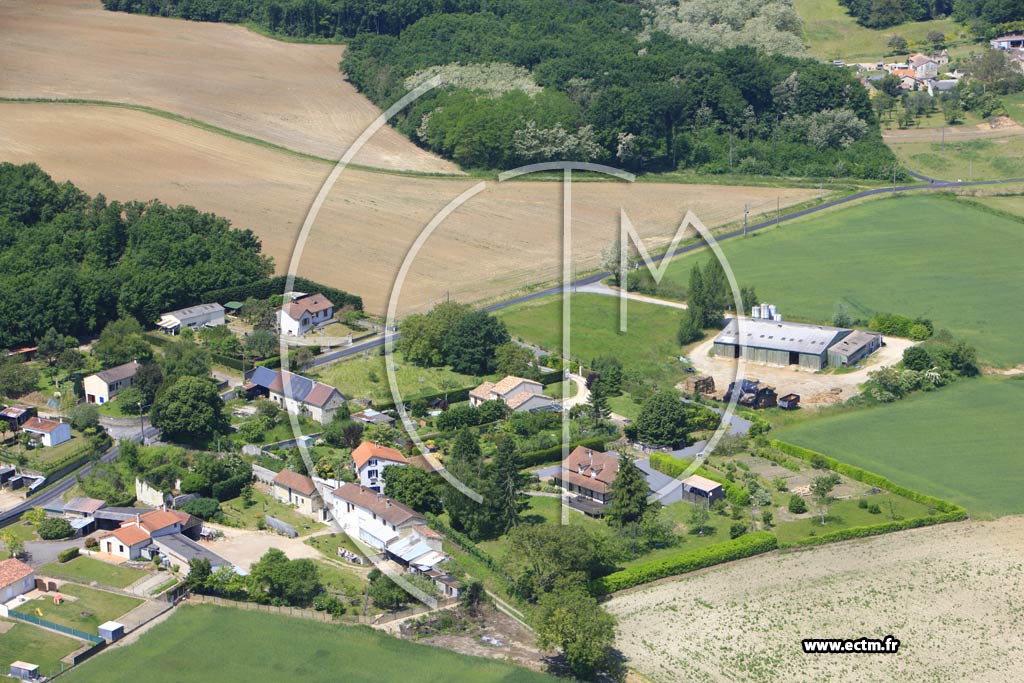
(45, 623)
(256, 607)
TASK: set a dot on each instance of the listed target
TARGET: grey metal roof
(120, 514)
(781, 335)
(853, 342)
(189, 549)
(194, 311)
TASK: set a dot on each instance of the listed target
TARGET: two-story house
(303, 313)
(103, 386)
(373, 518)
(292, 488)
(296, 394)
(371, 459)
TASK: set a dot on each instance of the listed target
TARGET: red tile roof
(299, 483)
(41, 424)
(314, 303)
(365, 451)
(592, 470)
(129, 535)
(155, 520)
(12, 571)
(389, 510)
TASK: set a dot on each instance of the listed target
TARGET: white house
(371, 459)
(371, 517)
(303, 313)
(924, 67)
(103, 386)
(1008, 42)
(521, 395)
(297, 394)
(49, 432)
(193, 317)
(292, 488)
(158, 533)
(125, 542)
(16, 578)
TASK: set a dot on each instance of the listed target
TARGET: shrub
(67, 555)
(92, 542)
(767, 517)
(874, 509)
(687, 561)
(797, 505)
(737, 530)
(54, 528)
(862, 503)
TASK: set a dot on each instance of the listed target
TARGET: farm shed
(24, 671)
(853, 347)
(700, 489)
(778, 343)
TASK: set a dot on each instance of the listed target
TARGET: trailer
(790, 402)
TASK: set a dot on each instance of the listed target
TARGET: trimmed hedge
(261, 289)
(550, 456)
(67, 555)
(684, 562)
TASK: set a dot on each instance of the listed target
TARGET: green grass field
(86, 609)
(834, 34)
(647, 348)
(86, 570)
(284, 648)
(366, 377)
(917, 255)
(35, 645)
(961, 443)
(844, 514)
(23, 531)
(1000, 158)
(265, 504)
(1014, 205)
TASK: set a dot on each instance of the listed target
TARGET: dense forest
(530, 80)
(74, 262)
(982, 13)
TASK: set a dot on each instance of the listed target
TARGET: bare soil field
(508, 235)
(951, 594)
(816, 389)
(289, 94)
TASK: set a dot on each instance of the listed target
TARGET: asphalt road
(933, 183)
(55, 491)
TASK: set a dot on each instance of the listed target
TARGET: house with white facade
(521, 395)
(371, 517)
(370, 460)
(103, 386)
(303, 313)
(16, 578)
(193, 318)
(158, 533)
(923, 66)
(50, 433)
(296, 394)
(292, 488)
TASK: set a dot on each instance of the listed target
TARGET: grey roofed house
(119, 372)
(774, 342)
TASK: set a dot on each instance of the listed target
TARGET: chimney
(387, 501)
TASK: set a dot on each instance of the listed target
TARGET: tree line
(73, 263)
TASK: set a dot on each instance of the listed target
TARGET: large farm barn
(812, 347)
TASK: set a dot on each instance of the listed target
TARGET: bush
(874, 509)
(737, 530)
(862, 504)
(797, 505)
(683, 562)
(767, 517)
(203, 508)
(67, 555)
(55, 528)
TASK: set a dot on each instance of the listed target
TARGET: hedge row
(687, 561)
(95, 445)
(550, 456)
(460, 539)
(261, 289)
(871, 479)
(877, 529)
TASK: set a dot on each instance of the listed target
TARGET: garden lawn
(100, 606)
(284, 648)
(648, 348)
(36, 645)
(930, 256)
(960, 443)
(844, 514)
(264, 504)
(366, 377)
(23, 531)
(85, 569)
(834, 34)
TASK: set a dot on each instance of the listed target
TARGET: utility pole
(894, 177)
(778, 211)
(142, 425)
(746, 212)
(943, 129)
(730, 149)
(972, 169)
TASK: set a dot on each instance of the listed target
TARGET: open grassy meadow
(284, 648)
(87, 570)
(834, 34)
(961, 443)
(648, 348)
(925, 256)
(994, 157)
(32, 644)
(367, 377)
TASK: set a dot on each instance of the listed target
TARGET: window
(120, 548)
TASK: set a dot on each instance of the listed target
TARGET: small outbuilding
(111, 631)
(48, 432)
(24, 671)
(849, 350)
(193, 318)
(700, 489)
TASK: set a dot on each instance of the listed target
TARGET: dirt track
(504, 237)
(289, 94)
(951, 594)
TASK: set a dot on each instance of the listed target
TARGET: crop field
(961, 443)
(287, 94)
(370, 219)
(19, 640)
(834, 34)
(648, 347)
(286, 648)
(950, 594)
(917, 255)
